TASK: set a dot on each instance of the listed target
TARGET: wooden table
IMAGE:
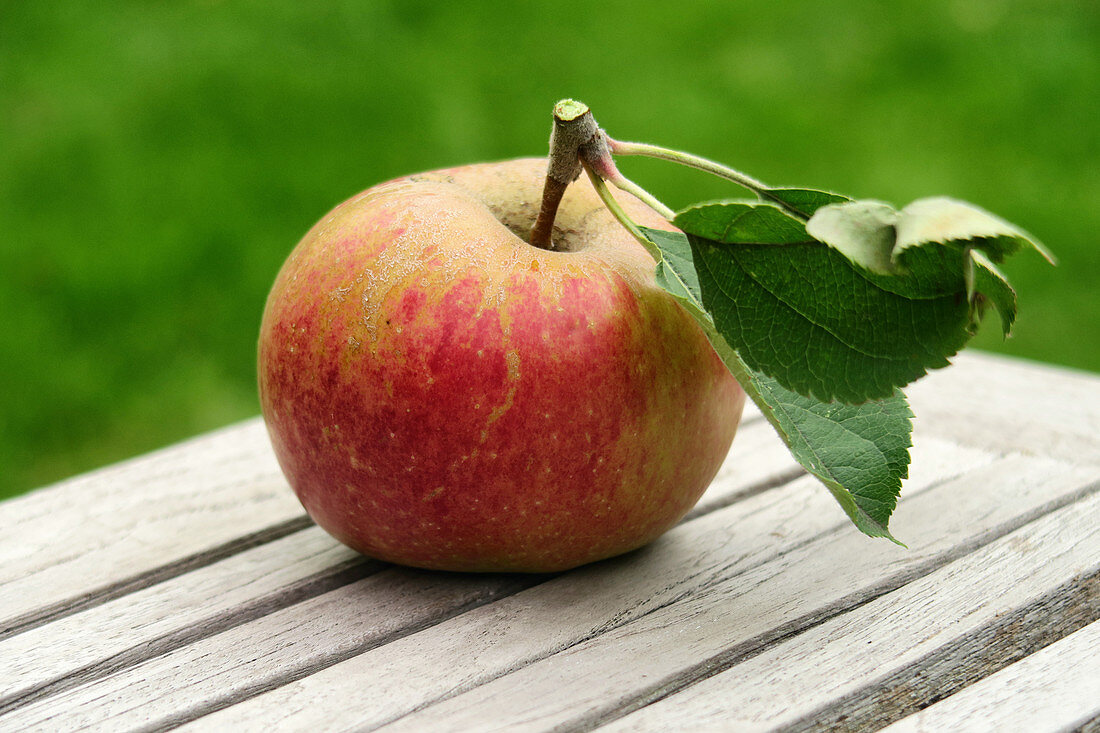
(186, 587)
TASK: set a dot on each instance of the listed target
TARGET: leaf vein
(791, 308)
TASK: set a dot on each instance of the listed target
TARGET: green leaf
(856, 301)
(675, 266)
(803, 314)
(989, 285)
(742, 221)
(822, 307)
(860, 452)
(862, 231)
(802, 202)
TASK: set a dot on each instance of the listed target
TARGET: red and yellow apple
(442, 394)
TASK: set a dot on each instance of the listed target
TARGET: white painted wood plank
(166, 615)
(1012, 405)
(344, 621)
(878, 661)
(745, 613)
(180, 610)
(1055, 689)
(34, 568)
(488, 640)
(71, 540)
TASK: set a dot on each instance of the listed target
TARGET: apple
(442, 394)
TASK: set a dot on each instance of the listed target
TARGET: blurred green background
(158, 160)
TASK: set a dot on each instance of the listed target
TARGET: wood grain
(535, 626)
(726, 621)
(296, 642)
(152, 620)
(116, 530)
(119, 633)
(926, 639)
(1055, 689)
(293, 642)
(187, 587)
(999, 403)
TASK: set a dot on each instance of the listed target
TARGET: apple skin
(442, 394)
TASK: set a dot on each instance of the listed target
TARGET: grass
(159, 160)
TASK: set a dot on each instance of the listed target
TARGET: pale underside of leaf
(990, 285)
(944, 219)
(863, 231)
(928, 245)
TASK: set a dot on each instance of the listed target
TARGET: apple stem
(575, 135)
(761, 189)
(552, 192)
(576, 144)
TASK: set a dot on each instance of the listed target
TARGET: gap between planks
(1008, 639)
(22, 690)
(208, 556)
(902, 651)
(134, 583)
(225, 691)
(1034, 694)
(591, 682)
